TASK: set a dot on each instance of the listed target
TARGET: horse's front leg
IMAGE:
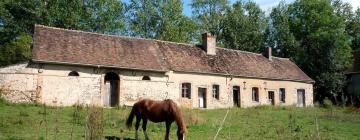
(144, 128)
(168, 126)
(137, 124)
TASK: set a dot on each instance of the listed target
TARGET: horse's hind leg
(144, 128)
(137, 124)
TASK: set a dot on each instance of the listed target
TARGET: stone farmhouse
(74, 67)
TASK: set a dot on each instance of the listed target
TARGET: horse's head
(181, 134)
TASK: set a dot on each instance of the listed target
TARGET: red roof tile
(78, 47)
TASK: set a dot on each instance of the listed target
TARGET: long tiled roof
(85, 48)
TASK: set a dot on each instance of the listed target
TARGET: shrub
(327, 104)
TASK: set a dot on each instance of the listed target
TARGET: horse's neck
(178, 118)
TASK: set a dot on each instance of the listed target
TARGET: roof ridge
(238, 50)
(251, 52)
(286, 58)
(110, 35)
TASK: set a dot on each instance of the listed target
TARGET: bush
(327, 104)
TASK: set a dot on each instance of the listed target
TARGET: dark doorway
(236, 96)
(300, 97)
(202, 97)
(111, 96)
(271, 97)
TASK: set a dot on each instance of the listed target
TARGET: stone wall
(50, 84)
(18, 83)
(70, 90)
(226, 84)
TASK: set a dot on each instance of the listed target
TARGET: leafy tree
(353, 29)
(244, 27)
(209, 15)
(279, 36)
(159, 19)
(103, 16)
(325, 47)
(174, 26)
(17, 19)
(16, 51)
(143, 17)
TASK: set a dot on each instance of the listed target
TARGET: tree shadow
(116, 138)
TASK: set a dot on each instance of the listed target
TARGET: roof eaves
(94, 65)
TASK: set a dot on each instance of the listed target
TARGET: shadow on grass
(117, 138)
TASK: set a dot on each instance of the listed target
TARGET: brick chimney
(209, 43)
(268, 53)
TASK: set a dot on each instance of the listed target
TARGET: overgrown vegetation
(31, 121)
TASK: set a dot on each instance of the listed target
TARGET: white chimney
(209, 43)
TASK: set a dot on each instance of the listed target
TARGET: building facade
(353, 78)
(74, 67)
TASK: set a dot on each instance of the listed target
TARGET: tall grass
(20, 121)
(94, 129)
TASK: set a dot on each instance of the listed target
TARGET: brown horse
(157, 111)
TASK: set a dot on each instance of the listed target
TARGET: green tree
(325, 50)
(16, 51)
(159, 19)
(17, 19)
(209, 15)
(279, 36)
(174, 26)
(103, 16)
(353, 29)
(244, 27)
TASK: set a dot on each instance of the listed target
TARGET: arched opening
(73, 73)
(111, 96)
(146, 78)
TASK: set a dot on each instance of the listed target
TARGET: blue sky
(265, 5)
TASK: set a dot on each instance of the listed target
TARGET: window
(73, 73)
(186, 90)
(282, 95)
(255, 94)
(215, 91)
(146, 78)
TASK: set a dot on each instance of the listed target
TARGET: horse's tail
(131, 117)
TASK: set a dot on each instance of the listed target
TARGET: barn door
(271, 97)
(300, 97)
(202, 97)
(236, 96)
(111, 94)
(107, 94)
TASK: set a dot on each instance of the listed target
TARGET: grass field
(28, 121)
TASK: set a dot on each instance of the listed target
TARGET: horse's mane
(177, 114)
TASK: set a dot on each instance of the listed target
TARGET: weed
(94, 128)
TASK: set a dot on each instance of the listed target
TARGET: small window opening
(215, 91)
(73, 73)
(282, 95)
(186, 90)
(146, 78)
(255, 94)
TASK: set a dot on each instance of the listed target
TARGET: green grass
(29, 121)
